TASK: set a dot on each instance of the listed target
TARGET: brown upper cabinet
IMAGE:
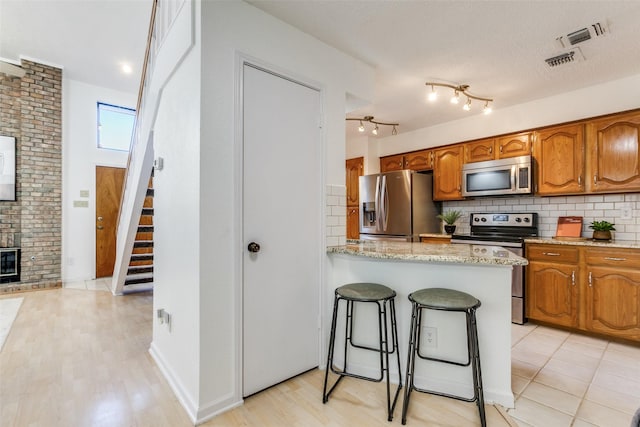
(559, 155)
(515, 145)
(614, 153)
(447, 173)
(392, 163)
(355, 169)
(417, 160)
(478, 151)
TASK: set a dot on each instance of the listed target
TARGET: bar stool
(371, 293)
(446, 300)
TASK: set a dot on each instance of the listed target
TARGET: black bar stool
(382, 296)
(446, 300)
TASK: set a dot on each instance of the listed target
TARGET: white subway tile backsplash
(594, 207)
(336, 215)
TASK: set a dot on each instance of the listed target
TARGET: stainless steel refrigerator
(397, 206)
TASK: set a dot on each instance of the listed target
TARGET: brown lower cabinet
(353, 222)
(587, 288)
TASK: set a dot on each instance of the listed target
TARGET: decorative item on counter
(449, 218)
(602, 230)
(569, 228)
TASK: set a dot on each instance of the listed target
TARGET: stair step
(147, 211)
(138, 278)
(150, 192)
(143, 244)
(138, 269)
(145, 229)
(142, 257)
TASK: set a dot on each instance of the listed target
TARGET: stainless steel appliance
(509, 231)
(497, 177)
(397, 206)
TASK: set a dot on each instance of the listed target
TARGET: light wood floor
(79, 358)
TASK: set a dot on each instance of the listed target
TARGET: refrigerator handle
(384, 204)
(376, 201)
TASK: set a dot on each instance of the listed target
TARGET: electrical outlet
(430, 336)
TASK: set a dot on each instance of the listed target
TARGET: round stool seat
(444, 299)
(365, 292)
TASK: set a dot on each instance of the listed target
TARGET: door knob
(100, 218)
(253, 247)
(99, 227)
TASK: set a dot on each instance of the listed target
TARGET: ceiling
(498, 48)
(90, 39)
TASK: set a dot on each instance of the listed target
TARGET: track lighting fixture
(374, 131)
(455, 99)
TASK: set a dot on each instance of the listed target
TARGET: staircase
(140, 271)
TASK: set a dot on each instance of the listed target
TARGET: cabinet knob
(550, 253)
(573, 278)
(590, 280)
(611, 258)
(580, 180)
(595, 179)
(501, 148)
(490, 150)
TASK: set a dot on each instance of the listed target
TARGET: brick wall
(31, 111)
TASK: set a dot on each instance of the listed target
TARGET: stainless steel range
(509, 231)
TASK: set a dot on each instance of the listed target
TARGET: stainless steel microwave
(497, 177)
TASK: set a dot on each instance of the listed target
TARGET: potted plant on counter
(449, 218)
(602, 230)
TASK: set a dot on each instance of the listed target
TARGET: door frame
(93, 202)
(242, 60)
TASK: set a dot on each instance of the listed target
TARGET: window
(115, 126)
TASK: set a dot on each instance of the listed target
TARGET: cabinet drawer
(614, 257)
(552, 253)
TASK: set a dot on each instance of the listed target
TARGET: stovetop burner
(499, 228)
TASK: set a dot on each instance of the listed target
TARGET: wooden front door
(108, 192)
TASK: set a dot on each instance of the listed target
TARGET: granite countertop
(429, 252)
(439, 235)
(631, 244)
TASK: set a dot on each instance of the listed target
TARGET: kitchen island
(482, 271)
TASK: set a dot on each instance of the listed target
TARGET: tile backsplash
(336, 215)
(621, 209)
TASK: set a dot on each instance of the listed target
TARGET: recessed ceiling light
(126, 68)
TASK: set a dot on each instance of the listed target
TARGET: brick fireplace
(31, 112)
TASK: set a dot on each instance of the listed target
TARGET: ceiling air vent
(574, 55)
(592, 31)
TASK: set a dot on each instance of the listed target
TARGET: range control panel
(504, 219)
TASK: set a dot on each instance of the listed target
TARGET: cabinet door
(552, 294)
(613, 302)
(559, 153)
(353, 222)
(419, 160)
(514, 145)
(355, 168)
(479, 151)
(614, 153)
(447, 176)
(392, 163)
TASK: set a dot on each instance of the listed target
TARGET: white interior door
(282, 205)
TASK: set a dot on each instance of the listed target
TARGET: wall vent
(573, 55)
(582, 35)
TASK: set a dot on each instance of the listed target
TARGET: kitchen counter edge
(628, 244)
(428, 252)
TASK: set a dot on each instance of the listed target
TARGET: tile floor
(565, 379)
(559, 379)
(101, 284)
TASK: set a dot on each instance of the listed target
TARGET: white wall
(198, 222)
(80, 156)
(610, 97)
